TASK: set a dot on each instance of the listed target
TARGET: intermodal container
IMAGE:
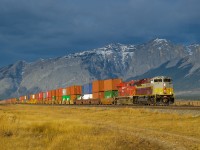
(53, 93)
(66, 97)
(111, 84)
(97, 86)
(53, 98)
(87, 96)
(37, 96)
(49, 95)
(68, 91)
(59, 92)
(64, 91)
(110, 94)
(87, 89)
(76, 90)
(40, 96)
(44, 95)
(73, 98)
(98, 95)
(32, 96)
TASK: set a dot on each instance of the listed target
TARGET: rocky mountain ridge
(156, 57)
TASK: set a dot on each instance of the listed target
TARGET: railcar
(153, 91)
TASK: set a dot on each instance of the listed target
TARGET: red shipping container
(97, 86)
(49, 95)
(40, 96)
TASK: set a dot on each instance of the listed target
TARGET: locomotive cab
(163, 89)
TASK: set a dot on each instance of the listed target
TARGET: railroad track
(173, 107)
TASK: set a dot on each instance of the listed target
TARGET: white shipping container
(87, 96)
(64, 92)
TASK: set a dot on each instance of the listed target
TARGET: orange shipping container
(59, 98)
(68, 91)
(60, 92)
(98, 95)
(37, 96)
(97, 86)
(53, 92)
(76, 90)
(57, 92)
(111, 84)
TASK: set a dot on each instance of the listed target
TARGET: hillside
(156, 57)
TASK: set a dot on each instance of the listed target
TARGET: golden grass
(187, 103)
(69, 127)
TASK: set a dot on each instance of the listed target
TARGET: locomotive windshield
(157, 80)
(167, 80)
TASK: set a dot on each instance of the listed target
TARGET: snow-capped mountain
(156, 57)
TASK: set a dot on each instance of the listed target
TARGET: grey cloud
(43, 28)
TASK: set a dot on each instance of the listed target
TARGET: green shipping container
(53, 97)
(110, 94)
(66, 97)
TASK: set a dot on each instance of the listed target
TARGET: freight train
(149, 91)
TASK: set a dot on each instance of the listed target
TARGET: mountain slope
(156, 57)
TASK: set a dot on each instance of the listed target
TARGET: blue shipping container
(87, 89)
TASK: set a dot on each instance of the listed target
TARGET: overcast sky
(33, 29)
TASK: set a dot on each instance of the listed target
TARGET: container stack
(75, 93)
(32, 99)
(98, 89)
(110, 89)
(53, 94)
(40, 98)
(23, 99)
(44, 95)
(65, 97)
(49, 97)
(59, 96)
(70, 94)
(86, 93)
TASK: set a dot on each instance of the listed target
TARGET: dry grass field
(187, 103)
(58, 127)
